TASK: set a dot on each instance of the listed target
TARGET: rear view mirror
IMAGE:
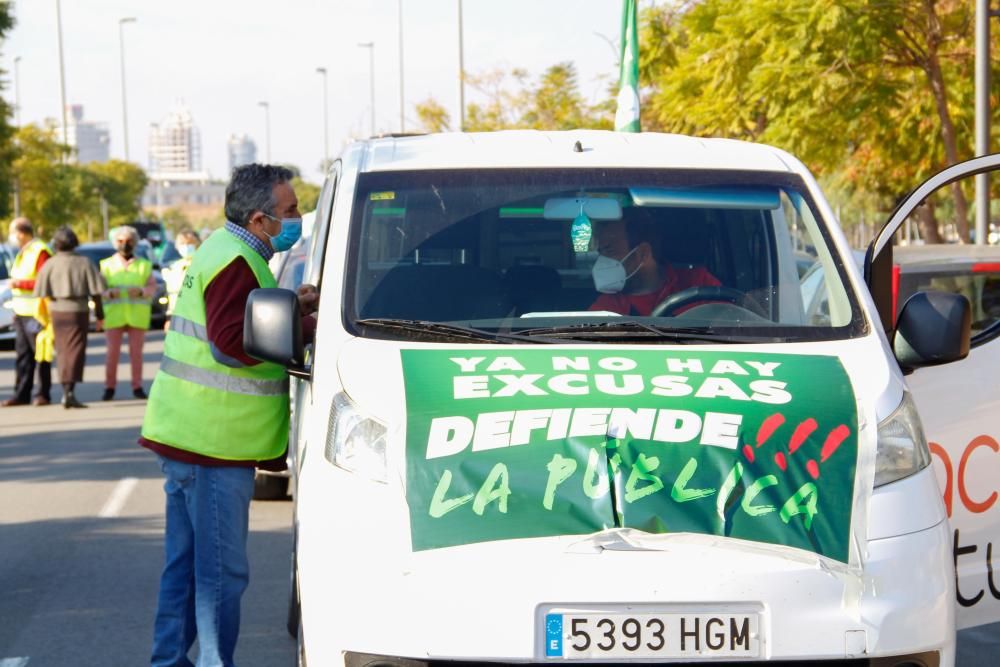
(933, 328)
(595, 208)
(272, 329)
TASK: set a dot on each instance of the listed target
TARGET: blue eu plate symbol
(553, 635)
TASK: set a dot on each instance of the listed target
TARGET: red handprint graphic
(802, 432)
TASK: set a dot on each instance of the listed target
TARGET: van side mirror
(272, 329)
(933, 328)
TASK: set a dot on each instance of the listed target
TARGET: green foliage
(513, 101)
(8, 148)
(872, 95)
(307, 194)
(433, 117)
(175, 220)
(55, 192)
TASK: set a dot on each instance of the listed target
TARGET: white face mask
(609, 274)
(13, 240)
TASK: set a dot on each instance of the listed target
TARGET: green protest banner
(531, 443)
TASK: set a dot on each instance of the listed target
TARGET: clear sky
(221, 57)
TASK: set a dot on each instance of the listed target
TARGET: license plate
(595, 635)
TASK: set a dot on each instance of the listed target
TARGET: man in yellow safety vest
(214, 414)
(32, 254)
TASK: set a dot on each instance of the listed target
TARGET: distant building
(91, 142)
(175, 145)
(176, 179)
(183, 191)
(242, 150)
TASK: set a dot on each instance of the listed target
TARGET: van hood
(773, 444)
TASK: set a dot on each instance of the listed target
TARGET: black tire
(270, 487)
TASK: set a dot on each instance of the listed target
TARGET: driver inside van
(632, 278)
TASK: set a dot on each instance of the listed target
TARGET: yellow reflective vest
(202, 401)
(24, 269)
(125, 310)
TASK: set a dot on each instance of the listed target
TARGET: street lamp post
(371, 76)
(121, 52)
(17, 90)
(267, 130)
(62, 79)
(402, 104)
(983, 15)
(17, 121)
(326, 121)
(461, 71)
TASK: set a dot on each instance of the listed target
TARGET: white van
(497, 463)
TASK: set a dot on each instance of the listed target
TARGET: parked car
(502, 475)
(7, 334)
(104, 249)
(289, 267)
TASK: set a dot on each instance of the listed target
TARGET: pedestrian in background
(31, 256)
(186, 243)
(128, 307)
(70, 280)
(214, 414)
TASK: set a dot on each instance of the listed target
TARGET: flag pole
(627, 114)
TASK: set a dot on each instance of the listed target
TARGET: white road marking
(13, 662)
(114, 505)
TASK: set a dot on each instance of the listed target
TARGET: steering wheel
(698, 293)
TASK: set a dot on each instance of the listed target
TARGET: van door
(958, 403)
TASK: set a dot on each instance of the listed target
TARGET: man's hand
(308, 299)
(99, 326)
(113, 293)
(135, 292)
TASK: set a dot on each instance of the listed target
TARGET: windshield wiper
(452, 330)
(632, 329)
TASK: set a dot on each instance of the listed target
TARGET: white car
(495, 462)
(7, 334)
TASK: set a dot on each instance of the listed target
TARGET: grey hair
(127, 230)
(251, 189)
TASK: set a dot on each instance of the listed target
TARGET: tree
(513, 101)
(46, 184)
(175, 220)
(8, 148)
(307, 194)
(55, 192)
(433, 117)
(854, 87)
(121, 184)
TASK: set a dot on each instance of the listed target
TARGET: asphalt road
(81, 533)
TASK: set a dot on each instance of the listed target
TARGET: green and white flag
(627, 116)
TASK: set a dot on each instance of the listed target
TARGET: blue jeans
(206, 569)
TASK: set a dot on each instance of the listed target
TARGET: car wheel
(270, 487)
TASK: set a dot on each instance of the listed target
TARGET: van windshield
(563, 255)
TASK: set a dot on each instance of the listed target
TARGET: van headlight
(902, 448)
(355, 441)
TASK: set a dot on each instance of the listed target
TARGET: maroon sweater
(225, 303)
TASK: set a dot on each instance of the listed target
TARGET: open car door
(959, 404)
